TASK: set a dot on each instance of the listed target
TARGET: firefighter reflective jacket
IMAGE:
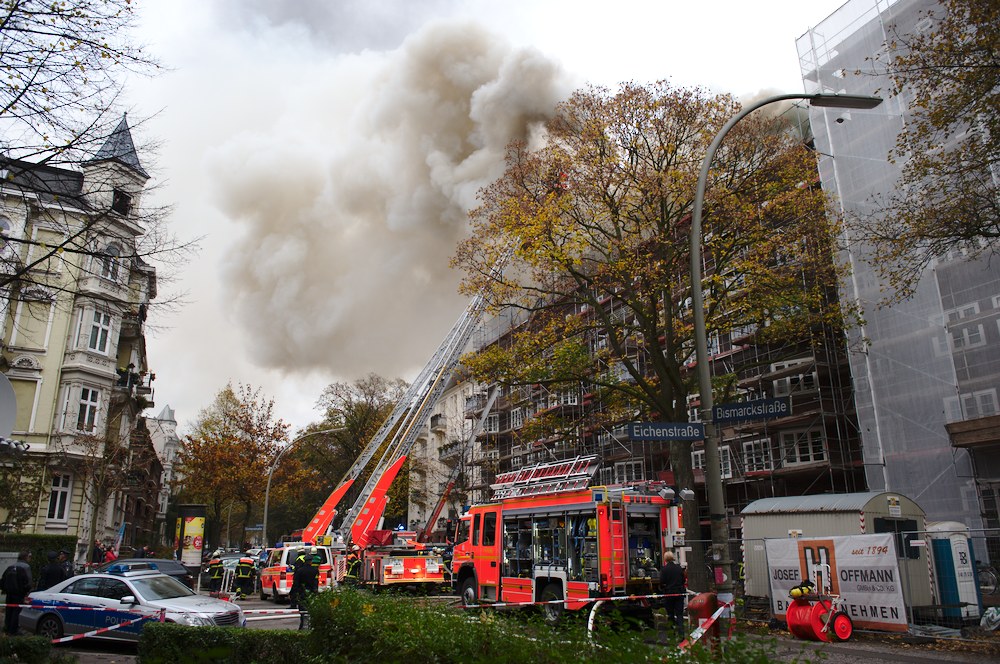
(215, 568)
(244, 568)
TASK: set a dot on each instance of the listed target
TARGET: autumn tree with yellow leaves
(591, 222)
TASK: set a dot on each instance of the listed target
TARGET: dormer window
(121, 202)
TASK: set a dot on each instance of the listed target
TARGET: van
(276, 576)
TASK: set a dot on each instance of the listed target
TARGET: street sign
(666, 431)
(758, 409)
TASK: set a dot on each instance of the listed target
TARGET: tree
(947, 71)
(225, 460)
(319, 463)
(61, 74)
(592, 227)
(16, 473)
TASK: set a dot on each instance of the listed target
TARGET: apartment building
(72, 316)
(926, 370)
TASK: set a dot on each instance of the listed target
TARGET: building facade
(163, 430)
(931, 362)
(74, 305)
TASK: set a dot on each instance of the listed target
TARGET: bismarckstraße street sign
(666, 431)
(758, 409)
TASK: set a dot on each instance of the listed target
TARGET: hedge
(38, 545)
(29, 650)
(360, 627)
(177, 644)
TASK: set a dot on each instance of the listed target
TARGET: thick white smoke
(349, 222)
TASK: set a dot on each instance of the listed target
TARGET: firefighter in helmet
(244, 577)
(215, 571)
(351, 576)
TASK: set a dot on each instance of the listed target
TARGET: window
(628, 471)
(86, 419)
(972, 405)
(797, 382)
(89, 586)
(121, 202)
(517, 418)
(490, 529)
(971, 336)
(110, 262)
(100, 330)
(725, 461)
(802, 446)
(59, 497)
(492, 424)
(757, 455)
(606, 476)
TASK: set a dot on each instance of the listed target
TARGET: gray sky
(329, 151)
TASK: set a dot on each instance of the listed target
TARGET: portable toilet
(954, 566)
(829, 515)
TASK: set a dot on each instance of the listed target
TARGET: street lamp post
(274, 466)
(713, 472)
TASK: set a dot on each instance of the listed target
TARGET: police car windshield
(160, 587)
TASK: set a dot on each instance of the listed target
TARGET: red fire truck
(548, 536)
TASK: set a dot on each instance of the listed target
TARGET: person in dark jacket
(52, 573)
(672, 584)
(66, 562)
(15, 583)
(305, 582)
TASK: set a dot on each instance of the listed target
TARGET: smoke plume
(348, 222)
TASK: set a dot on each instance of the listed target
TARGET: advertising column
(192, 534)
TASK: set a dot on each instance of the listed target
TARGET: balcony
(439, 423)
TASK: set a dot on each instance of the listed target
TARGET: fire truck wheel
(263, 595)
(469, 596)
(552, 612)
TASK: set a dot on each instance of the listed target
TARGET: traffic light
(16, 448)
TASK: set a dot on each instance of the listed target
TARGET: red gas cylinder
(700, 608)
(807, 619)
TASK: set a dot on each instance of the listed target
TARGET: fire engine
(392, 557)
(548, 536)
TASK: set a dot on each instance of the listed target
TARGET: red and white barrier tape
(703, 627)
(567, 600)
(103, 630)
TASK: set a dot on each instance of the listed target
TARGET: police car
(126, 592)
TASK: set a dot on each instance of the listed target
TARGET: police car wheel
(49, 627)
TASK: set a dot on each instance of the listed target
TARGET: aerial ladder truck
(389, 557)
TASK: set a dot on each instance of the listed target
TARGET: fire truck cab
(549, 537)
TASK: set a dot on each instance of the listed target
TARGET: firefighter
(215, 571)
(351, 576)
(244, 577)
(314, 558)
(298, 589)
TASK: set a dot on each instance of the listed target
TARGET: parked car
(169, 567)
(133, 593)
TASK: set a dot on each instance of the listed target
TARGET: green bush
(180, 644)
(29, 650)
(359, 627)
(38, 545)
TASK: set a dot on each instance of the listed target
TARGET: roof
(827, 502)
(50, 183)
(119, 147)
